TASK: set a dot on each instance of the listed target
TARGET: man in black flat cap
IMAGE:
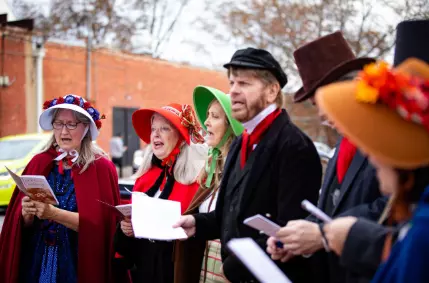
(269, 170)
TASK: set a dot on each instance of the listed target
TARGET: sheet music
(153, 218)
(257, 261)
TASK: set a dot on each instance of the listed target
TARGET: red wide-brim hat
(182, 117)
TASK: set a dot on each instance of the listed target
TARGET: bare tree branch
(115, 23)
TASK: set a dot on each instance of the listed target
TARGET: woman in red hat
(171, 165)
(72, 240)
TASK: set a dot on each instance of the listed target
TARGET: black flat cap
(252, 58)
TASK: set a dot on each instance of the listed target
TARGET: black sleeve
(299, 178)
(207, 226)
(370, 187)
(371, 211)
(364, 246)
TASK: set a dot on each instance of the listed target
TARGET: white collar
(251, 125)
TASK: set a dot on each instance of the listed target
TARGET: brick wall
(117, 80)
(122, 80)
(13, 98)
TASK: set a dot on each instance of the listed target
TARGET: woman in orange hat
(386, 114)
(171, 164)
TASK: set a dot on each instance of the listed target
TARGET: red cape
(181, 193)
(97, 225)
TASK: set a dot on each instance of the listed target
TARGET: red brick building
(120, 83)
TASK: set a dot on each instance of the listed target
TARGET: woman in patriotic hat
(385, 112)
(72, 241)
(171, 164)
(196, 260)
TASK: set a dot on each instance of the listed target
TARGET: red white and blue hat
(75, 103)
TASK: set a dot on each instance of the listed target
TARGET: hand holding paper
(265, 226)
(36, 187)
(154, 218)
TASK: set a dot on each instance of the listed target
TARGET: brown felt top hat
(324, 61)
(379, 130)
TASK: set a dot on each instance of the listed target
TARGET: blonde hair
(88, 151)
(265, 76)
(220, 162)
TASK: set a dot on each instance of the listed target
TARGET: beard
(250, 110)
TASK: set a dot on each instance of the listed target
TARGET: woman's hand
(28, 210)
(337, 231)
(127, 227)
(45, 211)
(277, 253)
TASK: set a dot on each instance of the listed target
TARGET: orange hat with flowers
(385, 112)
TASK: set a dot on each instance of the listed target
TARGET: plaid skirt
(210, 271)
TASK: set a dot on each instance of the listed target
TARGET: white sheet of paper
(262, 224)
(257, 261)
(154, 218)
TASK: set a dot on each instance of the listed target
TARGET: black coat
(284, 169)
(148, 261)
(363, 248)
(359, 197)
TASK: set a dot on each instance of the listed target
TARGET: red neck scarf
(346, 152)
(248, 141)
(169, 161)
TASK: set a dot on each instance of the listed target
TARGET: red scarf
(248, 141)
(171, 158)
(346, 152)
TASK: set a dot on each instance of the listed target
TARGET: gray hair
(89, 151)
(189, 164)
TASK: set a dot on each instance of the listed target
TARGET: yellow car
(15, 153)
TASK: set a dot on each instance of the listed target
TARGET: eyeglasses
(69, 126)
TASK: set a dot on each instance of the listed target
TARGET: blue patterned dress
(50, 249)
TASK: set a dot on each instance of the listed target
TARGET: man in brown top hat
(350, 186)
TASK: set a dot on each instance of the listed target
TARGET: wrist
(319, 238)
(325, 244)
(28, 219)
(53, 213)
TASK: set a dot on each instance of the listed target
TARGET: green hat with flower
(203, 97)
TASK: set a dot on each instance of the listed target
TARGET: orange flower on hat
(407, 95)
(372, 78)
(366, 93)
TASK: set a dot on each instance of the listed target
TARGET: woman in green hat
(196, 260)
